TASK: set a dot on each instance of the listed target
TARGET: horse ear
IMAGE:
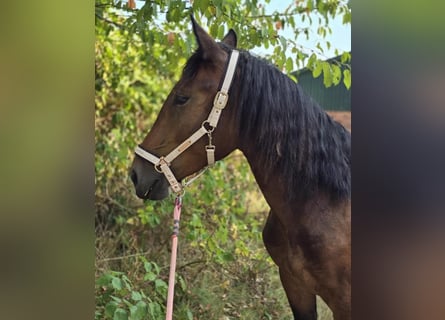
(207, 45)
(230, 39)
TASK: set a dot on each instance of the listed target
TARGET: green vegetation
(224, 272)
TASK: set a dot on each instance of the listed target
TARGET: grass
(224, 270)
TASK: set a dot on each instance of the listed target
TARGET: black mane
(295, 138)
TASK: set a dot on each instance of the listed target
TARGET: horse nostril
(134, 177)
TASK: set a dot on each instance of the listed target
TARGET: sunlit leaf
(347, 78)
(317, 69)
(289, 64)
(327, 74)
(336, 74)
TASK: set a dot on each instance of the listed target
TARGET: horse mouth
(150, 190)
(156, 191)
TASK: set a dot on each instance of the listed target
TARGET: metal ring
(156, 168)
(204, 126)
(181, 193)
(160, 162)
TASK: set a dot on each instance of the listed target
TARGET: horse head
(184, 111)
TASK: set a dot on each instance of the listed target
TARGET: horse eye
(180, 100)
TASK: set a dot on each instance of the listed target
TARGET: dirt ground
(344, 117)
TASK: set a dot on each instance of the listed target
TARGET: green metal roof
(332, 98)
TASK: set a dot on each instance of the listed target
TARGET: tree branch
(192, 263)
(124, 257)
(117, 25)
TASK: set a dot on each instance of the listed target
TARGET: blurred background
(72, 233)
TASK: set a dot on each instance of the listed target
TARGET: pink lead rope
(171, 278)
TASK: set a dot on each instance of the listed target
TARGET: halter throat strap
(162, 164)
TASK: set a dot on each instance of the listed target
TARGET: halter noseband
(162, 164)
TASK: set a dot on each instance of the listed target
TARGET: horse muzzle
(148, 183)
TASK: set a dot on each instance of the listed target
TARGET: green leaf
(169, 15)
(120, 314)
(311, 60)
(116, 283)
(264, 31)
(291, 21)
(345, 57)
(104, 280)
(155, 309)
(139, 311)
(293, 77)
(159, 283)
(317, 69)
(221, 31)
(310, 5)
(327, 75)
(336, 74)
(289, 64)
(283, 41)
(214, 30)
(110, 309)
(150, 276)
(136, 296)
(182, 283)
(347, 78)
(147, 265)
(347, 17)
(132, 312)
(203, 4)
(228, 257)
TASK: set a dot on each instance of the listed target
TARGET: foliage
(224, 271)
(122, 301)
(163, 27)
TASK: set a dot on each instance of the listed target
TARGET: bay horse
(299, 156)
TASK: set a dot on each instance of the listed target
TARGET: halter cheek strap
(162, 164)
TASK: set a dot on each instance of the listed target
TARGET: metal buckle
(160, 163)
(220, 100)
(210, 151)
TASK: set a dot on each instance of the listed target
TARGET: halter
(163, 163)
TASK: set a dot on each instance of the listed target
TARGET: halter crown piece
(162, 164)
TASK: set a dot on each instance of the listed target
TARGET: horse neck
(290, 211)
(292, 145)
(270, 183)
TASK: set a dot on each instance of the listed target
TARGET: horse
(299, 156)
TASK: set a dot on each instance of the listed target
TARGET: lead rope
(171, 278)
